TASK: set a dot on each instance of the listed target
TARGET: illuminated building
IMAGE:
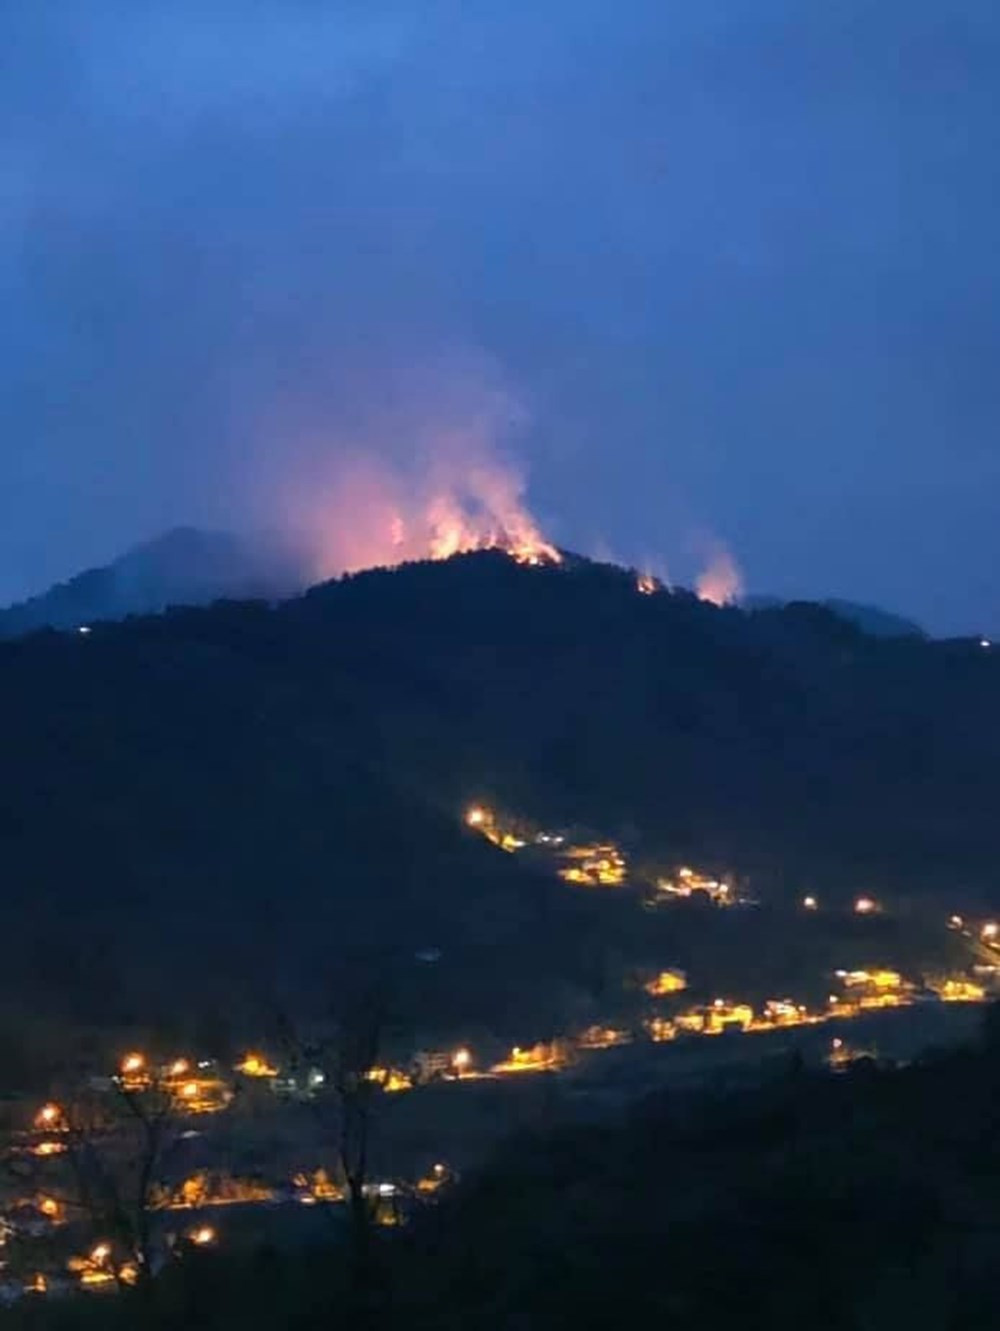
(688, 883)
(784, 1012)
(876, 988)
(718, 1017)
(323, 1187)
(960, 991)
(539, 1058)
(203, 1095)
(667, 982)
(390, 1079)
(660, 1029)
(602, 1037)
(96, 1276)
(317, 1187)
(256, 1065)
(881, 979)
(596, 865)
(47, 1148)
(434, 1180)
(133, 1072)
(429, 1064)
(204, 1189)
(692, 1021)
(724, 1016)
(884, 999)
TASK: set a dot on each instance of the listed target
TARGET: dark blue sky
(736, 261)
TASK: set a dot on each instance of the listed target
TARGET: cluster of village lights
(873, 987)
(179, 1078)
(603, 864)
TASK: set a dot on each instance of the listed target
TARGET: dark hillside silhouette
(230, 791)
(182, 567)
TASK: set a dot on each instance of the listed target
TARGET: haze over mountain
(188, 566)
(184, 566)
(872, 619)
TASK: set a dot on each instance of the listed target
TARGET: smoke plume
(721, 582)
(426, 473)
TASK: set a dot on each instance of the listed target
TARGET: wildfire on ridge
(484, 510)
(456, 532)
(721, 583)
(377, 516)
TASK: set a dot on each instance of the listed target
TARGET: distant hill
(182, 567)
(213, 802)
(879, 623)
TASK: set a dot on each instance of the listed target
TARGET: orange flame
(423, 478)
(377, 520)
(722, 582)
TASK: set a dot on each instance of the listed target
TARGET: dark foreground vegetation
(843, 1202)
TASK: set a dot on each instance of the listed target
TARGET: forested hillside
(242, 790)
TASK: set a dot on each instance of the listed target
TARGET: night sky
(718, 272)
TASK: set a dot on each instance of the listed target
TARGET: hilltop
(204, 803)
(184, 566)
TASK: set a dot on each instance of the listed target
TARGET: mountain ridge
(190, 566)
(182, 566)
